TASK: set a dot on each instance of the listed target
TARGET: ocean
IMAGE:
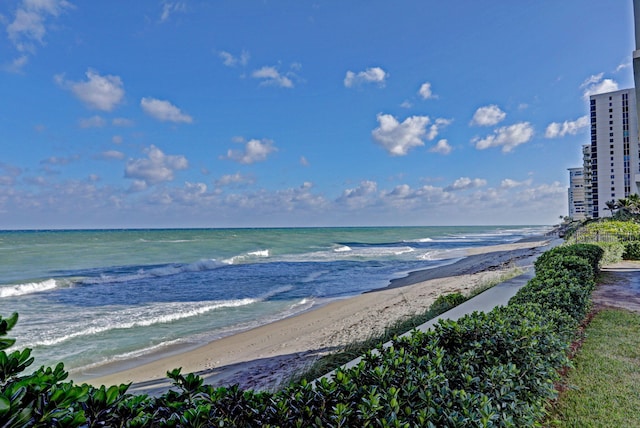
(90, 297)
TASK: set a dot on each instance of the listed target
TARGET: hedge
(631, 251)
(486, 369)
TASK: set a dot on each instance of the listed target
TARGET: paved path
(498, 295)
(619, 286)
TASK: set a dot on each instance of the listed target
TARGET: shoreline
(263, 357)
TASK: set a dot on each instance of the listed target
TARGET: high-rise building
(636, 53)
(611, 161)
(576, 194)
(614, 160)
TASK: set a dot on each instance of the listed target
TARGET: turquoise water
(91, 297)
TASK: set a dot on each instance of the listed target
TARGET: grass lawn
(604, 387)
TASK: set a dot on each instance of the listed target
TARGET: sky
(238, 113)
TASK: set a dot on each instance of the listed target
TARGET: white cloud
(9, 174)
(464, 183)
(254, 151)
(370, 75)
(155, 168)
(164, 111)
(30, 23)
(271, 77)
(92, 122)
(488, 116)
(406, 104)
(169, 8)
(507, 137)
(121, 121)
(57, 160)
(97, 92)
(360, 196)
(231, 61)
(117, 139)
(541, 193)
(111, 155)
(508, 183)
(623, 66)
(556, 129)
(398, 138)
(17, 64)
(442, 147)
(304, 161)
(596, 84)
(425, 91)
(434, 129)
(234, 179)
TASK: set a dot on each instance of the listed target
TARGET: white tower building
(615, 154)
(576, 194)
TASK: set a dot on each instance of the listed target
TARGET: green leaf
(12, 320)
(6, 343)
(5, 405)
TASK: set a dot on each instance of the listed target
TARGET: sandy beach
(263, 357)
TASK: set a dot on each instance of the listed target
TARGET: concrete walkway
(619, 286)
(498, 295)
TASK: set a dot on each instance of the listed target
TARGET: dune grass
(352, 351)
(603, 388)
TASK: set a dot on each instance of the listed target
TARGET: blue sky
(299, 113)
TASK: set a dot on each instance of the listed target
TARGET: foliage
(610, 227)
(631, 251)
(445, 302)
(591, 253)
(625, 209)
(324, 365)
(486, 369)
(613, 251)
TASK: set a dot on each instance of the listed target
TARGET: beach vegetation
(497, 368)
(619, 239)
(625, 209)
(631, 251)
(351, 351)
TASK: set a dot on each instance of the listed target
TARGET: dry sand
(263, 357)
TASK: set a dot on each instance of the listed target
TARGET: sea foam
(147, 316)
(29, 288)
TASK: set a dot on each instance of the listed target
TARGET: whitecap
(28, 288)
(250, 256)
(151, 316)
(148, 316)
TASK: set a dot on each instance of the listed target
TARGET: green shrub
(611, 227)
(590, 252)
(613, 252)
(631, 250)
(445, 302)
